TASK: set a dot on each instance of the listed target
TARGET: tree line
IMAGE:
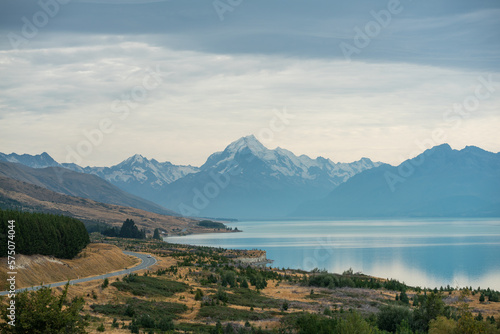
(43, 233)
(128, 230)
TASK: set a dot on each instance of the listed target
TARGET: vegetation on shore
(207, 290)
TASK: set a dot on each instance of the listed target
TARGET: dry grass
(297, 296)
(95, 259)
(45, 200)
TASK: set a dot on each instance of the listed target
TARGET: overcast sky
(179, 80)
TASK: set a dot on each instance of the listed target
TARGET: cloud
(52, 96)
(448, 34)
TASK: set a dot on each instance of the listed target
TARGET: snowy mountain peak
(34, 161)
(135, 159)
(249, 142)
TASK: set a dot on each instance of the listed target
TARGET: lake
(425, 252)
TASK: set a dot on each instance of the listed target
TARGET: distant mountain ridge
(65, 181)
(34, 161)
(15, 194)
(441, 182)
(274, 180)
(247, 180)
(138, 175)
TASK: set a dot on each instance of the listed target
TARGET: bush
(45, 312)
(223, 313)
(149, 286)
(390, 317)
(198, 295)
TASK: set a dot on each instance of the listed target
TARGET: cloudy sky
(95, 82)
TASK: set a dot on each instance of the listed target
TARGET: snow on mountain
(284, 163)
(139, 170)
(262, 182)
(248, 180)
(34, 161)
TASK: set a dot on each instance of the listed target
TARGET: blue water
(426, 253)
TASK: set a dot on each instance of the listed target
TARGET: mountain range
(249, 181)
(68, 182)
(440, 182)
(245, 180)
(18, 194)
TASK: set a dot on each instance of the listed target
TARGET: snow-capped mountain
(138, 175)
(245, 180)
(248, 180)
(283, 163)
(440, 182)
(34, 161)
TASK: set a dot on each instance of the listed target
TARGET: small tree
(244, 283)
(105, 283)
(481, 298)
(40, 312)
(198, 295)
(156, 234)
(404, 297)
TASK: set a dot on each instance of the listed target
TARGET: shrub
(45, 312)
(390, 317)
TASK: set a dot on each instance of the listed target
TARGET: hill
(440, 182)
(22, 195)
(95, 259)
(83, 185)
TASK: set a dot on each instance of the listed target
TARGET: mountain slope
(247, 180)
(34, 161)
(67, 182)
(138, 175)
(16, 194)
(441, 182)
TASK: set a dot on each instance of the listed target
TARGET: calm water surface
(429, 253)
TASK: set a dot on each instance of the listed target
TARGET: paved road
(145, 263)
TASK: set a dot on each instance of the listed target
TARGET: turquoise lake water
(426, 253)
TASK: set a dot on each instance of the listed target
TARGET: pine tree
(156, 234)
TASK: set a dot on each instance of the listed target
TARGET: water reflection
(425, 253)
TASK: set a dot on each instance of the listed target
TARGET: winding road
(146, 262)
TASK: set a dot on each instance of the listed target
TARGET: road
(146, 262)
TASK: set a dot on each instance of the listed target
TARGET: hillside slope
(71, 183)
(18, 194)
(95, 259)
(441, 182)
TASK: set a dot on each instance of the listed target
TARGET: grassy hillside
(200, 290)
(95, 259)
(65, 181)
(18, 194)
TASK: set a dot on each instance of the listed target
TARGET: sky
(94, 82)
